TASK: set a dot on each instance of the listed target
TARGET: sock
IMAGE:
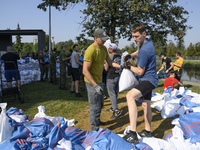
(147, 131)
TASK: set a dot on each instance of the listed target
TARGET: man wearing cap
(53, 61)
(167, 64)
(93, 66)
(113, 79)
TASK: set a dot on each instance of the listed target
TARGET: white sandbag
(64, 144)
(5, 129)
(127, 80)
(172, 108)
(157, 144)
(54, 120)
(158, 105)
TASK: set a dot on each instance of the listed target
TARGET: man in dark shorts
(10, 68)
(167, 64)
(146, 69)
(75, 71)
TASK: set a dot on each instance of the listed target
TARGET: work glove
(99, 89)
(127, 57)
(127, 65)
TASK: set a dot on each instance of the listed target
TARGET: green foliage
(197, 47)
(28, 47)
(18, 45)
(191, 51)
(117, 17)
(171, 49)
(35, 48)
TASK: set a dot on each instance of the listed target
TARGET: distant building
(35, 40)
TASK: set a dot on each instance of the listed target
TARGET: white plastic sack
(127, 80)
(54, 120)
(5, 129)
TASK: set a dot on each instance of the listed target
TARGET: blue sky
(64, 24)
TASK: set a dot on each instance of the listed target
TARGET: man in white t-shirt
(75, 71)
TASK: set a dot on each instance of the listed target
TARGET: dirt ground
(160, 126)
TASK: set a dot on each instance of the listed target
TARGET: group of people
(69, 64)
(173, 70)
(93, 64)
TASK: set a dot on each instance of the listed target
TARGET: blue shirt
(147, 58)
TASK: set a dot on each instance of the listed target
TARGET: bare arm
(171, 66)
(161, 68)
(66, 58)
(106, 67)
(138, 70)
(77, 60)
(180, 83)
(86, 67)
(180, 66)
(112, 63)
(42, 62)
(134, 54)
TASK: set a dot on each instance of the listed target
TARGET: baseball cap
(100, 33)
(113, 46)
(162, 53)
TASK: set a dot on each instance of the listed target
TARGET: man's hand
(127, 57)
(99, 90)
(127, 65)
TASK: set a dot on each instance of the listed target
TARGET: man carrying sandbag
(146, 69)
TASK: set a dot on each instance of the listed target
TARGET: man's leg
(146, 105)
(77, 85)
(95, 102)
(9, 84)
(132, 107)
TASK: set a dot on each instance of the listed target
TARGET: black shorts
(69, 71)
(75, 74)
(145, 87)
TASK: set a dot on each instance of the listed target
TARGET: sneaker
(131, 138)
(116, 113)
(110, 109)
(55, 83)
(71, 91)
(144, 133)
(78, 94)
(104, 97)
(42, 80)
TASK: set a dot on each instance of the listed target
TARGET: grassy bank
(62, 103)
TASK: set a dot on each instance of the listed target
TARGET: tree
(191, 50)
(161, 17)
(197, 47)
(28, 47)
(35, 48)
(18, 45)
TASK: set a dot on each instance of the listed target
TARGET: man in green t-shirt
(93, 65)
(53, 61)
(42, 65)
(62, 60)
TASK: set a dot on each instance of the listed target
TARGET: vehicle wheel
(21, 98)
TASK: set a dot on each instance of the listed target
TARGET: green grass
(58, 102)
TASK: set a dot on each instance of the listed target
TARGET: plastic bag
(5, 129)
(127, 80)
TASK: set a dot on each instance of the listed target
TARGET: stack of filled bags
(29, 71)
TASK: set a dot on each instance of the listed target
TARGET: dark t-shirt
(114, 72)
(166, 63)
(68, 61)
(10, 56)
